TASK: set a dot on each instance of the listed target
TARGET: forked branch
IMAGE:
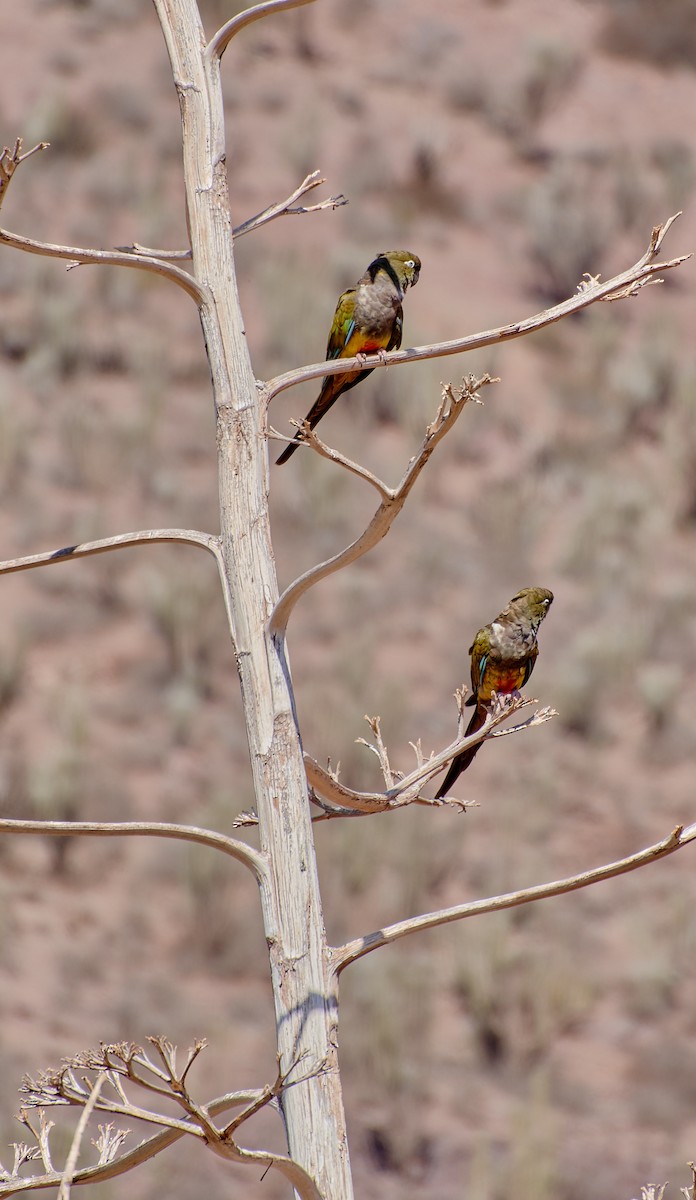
(310, 438)
(74, 1152)
(403, 790)
(114, 258)
(10, 159)
(110, 1164)
(590, 290)
(284, 208)
(290, 207)
(104, 1080)
(393, 499)
(341, 956)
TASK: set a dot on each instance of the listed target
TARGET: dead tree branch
(689, 1193)
(102, 1080)
(188, 833)
(109, 1166)
(408, 789)
(115, 258)
(590, 290)
(74, 1152)
(142, 537)
(393, 501)
(285, 208)
(309, 437)
(290, 207)
(343, 955)
(219, 43)
(10, 159)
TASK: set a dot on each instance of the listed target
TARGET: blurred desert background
(546, 1052)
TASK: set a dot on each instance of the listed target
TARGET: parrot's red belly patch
(503, 679)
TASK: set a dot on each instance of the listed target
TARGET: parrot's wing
(479, 658)
(343, 325)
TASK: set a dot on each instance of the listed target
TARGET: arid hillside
(548, 1053)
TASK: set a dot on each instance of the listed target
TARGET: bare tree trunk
(303, 988)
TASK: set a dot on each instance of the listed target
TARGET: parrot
(368, 320)
(503, 655)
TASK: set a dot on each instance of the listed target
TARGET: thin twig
(10, 160)
(43, 1137)
(262, 1100)
(116, 258)
(308, 437)
(449, 410)
(125, 1162)
(341, 956)
(71, 1161)
(408, 789)
(628, 283)
(380, 750)
(689, 1193)
(156, 252)
(221, 40)
(115, 1064)
(142, 537)
(290, 207)
(283, 208)
(250, 858)
(193, 1055)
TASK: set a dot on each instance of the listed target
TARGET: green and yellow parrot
(368, 318)
(503, 655)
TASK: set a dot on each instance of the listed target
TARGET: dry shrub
(663, 34)
(516, 106)
(570, 227)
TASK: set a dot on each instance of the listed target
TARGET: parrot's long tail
(332, 388)
(329, 393)
(287, 452)
(465, 759)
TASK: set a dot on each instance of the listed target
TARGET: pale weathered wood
(303, 984)
(78, 255)
(161, 829)
(359, 947)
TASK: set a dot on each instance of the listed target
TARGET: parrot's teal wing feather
(342, 326)
(481, 671)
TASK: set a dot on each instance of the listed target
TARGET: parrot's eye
(546, 601)
(410, 262)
